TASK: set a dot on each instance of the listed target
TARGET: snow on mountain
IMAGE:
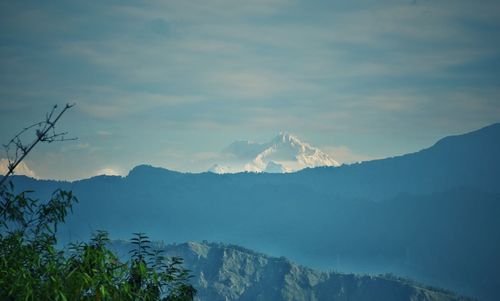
(216, 168)
(284, 153)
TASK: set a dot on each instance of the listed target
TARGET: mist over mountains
(229, 272)
(431, 215)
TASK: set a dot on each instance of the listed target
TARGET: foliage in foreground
(33, 268)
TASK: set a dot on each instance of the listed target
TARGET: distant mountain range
(431, 215)
(284, 153)
(227, 273)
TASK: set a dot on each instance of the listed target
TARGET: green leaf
(62, 296)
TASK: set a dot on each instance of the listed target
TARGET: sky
(171, 83)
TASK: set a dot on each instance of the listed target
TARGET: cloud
(190, 70)
(345, 155)
(76, 146)
(104, 133)
(21, 169)
(108, 171)
(111, 103)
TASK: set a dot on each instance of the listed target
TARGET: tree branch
(43, 134)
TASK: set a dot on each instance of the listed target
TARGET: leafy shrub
(33, 268)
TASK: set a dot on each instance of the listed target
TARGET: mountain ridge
(230, 272)
(430, 215)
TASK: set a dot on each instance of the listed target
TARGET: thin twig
(42, 134)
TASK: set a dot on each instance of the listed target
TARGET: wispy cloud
(160, 70)
(104, 133)
(21, 169)
(345, 155)
(108, 171)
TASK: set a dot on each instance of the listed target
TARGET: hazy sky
(171, 83)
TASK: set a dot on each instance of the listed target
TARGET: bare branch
(45, 132)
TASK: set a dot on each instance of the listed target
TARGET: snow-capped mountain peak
(284, 153)
(285, 137)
